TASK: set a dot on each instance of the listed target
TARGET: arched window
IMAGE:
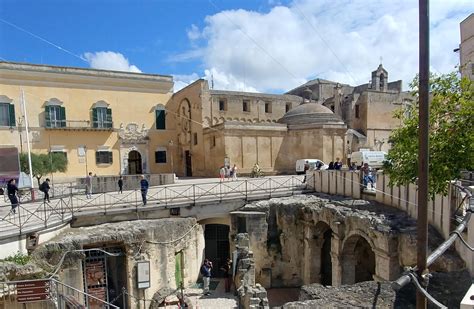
(381, 81)
(55, 114)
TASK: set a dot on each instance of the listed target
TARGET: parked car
(313, 165)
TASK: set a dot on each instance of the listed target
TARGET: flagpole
(25, 115)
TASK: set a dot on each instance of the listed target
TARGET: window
(213, 141)
(55, 116)
(195, 138)
(246, 106)
(160, 117)
(7, 115)
(287, 107)
(241, 225)
(222, 105)
(357, 113)
(103, 157)
(101, 117)
(268, 107)
(160, 156)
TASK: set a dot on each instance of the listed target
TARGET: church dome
(310, 113)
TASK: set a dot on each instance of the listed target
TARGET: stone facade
(86, 114)
(466, 48)
(367, 109)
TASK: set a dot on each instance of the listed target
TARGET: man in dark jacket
(12, 191)
(206, 269)
(44, 187)
(144, 188)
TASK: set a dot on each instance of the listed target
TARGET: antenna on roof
(212, 81)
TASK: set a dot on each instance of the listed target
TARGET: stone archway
(317, 256)
(134, 163)
(358, 260)
(217, 246)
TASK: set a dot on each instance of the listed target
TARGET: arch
(236, 119)
(318, 254)
(134, 162)
(54, 102)
(358, 259)
(229, 119)
(100, 103)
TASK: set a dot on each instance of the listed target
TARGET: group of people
(13, 193)
(335, 165)
(228, 172)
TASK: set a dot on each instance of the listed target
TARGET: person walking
(206, 269)
(367, 175)
(89, 185)
(44, 187)
(120, 185)
(227, 270)
(234, 172)
(144, 189)
(306, 168)
(222, 173)
(338, 164)
(12, 191)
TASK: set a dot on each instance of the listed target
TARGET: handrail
(33, 217)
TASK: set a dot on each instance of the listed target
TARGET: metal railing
(36, 216)
(46, 293)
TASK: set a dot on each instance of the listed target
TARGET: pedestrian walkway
(218, 298)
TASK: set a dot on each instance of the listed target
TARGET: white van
(375, 159)
(313, 163)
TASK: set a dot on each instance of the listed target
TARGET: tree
(43, 164)
(451, 134)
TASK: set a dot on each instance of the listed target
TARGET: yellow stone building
(105, 122)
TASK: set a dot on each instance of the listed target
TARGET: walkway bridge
(201, 198)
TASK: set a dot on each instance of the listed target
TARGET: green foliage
(43, 164)
(451, 135)
(18, 258)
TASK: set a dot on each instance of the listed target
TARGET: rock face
(160, 242)
(331, 240)
(369, 294)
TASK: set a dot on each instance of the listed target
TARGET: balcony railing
(79, 125)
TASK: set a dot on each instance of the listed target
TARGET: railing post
(194, 195)
(136, 201)
(270, 180)
(220, 191)
(246, 190)
(166, 198)
(19, 215)
(105, 203)
(45, 218)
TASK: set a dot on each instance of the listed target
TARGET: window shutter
(95, 123)
(160, 119)
(47, 116)
(62, 116)
(97, 157)
(11, 113)
(109, 119)
(110, 157)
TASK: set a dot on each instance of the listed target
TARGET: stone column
(336, 250)
(387, 266)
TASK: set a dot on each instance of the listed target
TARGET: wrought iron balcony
(79, 125)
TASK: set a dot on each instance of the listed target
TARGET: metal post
(423, 150)
(246, 191)
(45, 218)
(194, 195)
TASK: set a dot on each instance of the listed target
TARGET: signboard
(9, 164)
(32, 291)
(143, 274)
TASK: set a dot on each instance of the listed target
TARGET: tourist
(44, 187)
(12, 191)
(120, 184)
(222, 173)
(338, 164)
(367, 175)
(233, 172)
(89, 185)
(206, 269)
(227, 172)
(144, 189)
(353, 167)
(227, 271)
(331, 165)
(306, 168)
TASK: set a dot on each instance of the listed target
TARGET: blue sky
(252, 45)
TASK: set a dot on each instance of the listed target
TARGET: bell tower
(380, 79)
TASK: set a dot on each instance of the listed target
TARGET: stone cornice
(45, 75)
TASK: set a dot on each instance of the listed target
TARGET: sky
(247, 45)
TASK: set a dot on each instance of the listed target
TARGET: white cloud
(108, 60)
(338, 40)
(181, 81)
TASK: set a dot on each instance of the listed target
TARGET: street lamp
(170, 143)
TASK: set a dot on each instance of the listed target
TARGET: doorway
(189, 168)
(134, 163)
(217, 246)
(102, 278)
(326, 262)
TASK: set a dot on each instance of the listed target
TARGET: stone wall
(130, 182)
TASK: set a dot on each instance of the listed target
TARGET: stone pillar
(336, 250)
(387, 267)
